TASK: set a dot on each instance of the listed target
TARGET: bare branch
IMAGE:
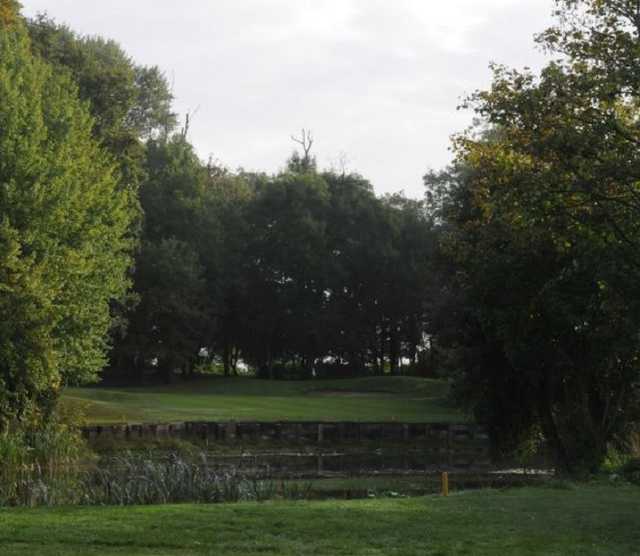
(305, 141)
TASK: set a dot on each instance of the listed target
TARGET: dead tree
(307, 162)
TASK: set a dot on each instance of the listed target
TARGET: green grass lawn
(243, 399)
(585, 521)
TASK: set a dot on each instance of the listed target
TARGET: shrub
(631, 471)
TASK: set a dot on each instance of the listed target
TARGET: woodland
(125, 257)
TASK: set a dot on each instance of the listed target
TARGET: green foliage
(338, 274)
(51, 467)
(151, 112)
(631, 471)
(172, 303)
(615, 461)
(123, 97)
(170, 319)
(540, 217)
(128, 102)
(301, 272)
(64, 234)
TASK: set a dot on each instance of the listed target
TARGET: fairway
(583, 521)
(403, 399)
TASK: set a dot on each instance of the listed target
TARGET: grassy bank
(242, 399)
(587, 520)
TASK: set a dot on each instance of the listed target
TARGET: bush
(631, 471)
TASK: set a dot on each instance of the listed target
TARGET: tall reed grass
(40, 466)
(134, 479)
(144, 479)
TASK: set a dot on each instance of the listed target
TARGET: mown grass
(585, 521)
(415, 484)
(404, 399)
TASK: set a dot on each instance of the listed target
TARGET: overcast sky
(377, 81)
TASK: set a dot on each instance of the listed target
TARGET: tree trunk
(235, 355)
(393, 349)
(166, 369)
(226, 358)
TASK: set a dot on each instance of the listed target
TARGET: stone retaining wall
(304, 432)
(455, 444)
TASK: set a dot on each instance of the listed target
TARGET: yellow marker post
(445, 483)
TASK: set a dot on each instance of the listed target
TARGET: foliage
(296, 274)
(124, 98)
(64, 234)
(171, 305)
(129, 103)
(631, 471)
(170, 318)
(540, 217)
(518, 274)
(302, 271)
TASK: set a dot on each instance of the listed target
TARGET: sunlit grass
(368, 399)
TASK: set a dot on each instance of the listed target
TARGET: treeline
(300, 274)
(516, 276)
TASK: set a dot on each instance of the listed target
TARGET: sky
(377, 82)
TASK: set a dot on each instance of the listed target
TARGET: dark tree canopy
(540, 218)
(305, 273)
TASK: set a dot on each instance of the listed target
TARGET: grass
(416, 484)
(404, 399)
(585, 521)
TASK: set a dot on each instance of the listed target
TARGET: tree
(169, 322)
(65, 245)
(172, 306)
(543, 224)
(296, 273)
(409, 267)
(223, 238)
(285, 271)
(128, 102)
(305, 162)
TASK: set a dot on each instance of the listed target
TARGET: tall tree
(287, 269)
(128, 102)
(169, 322)
(546, 230)
(65, 244)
